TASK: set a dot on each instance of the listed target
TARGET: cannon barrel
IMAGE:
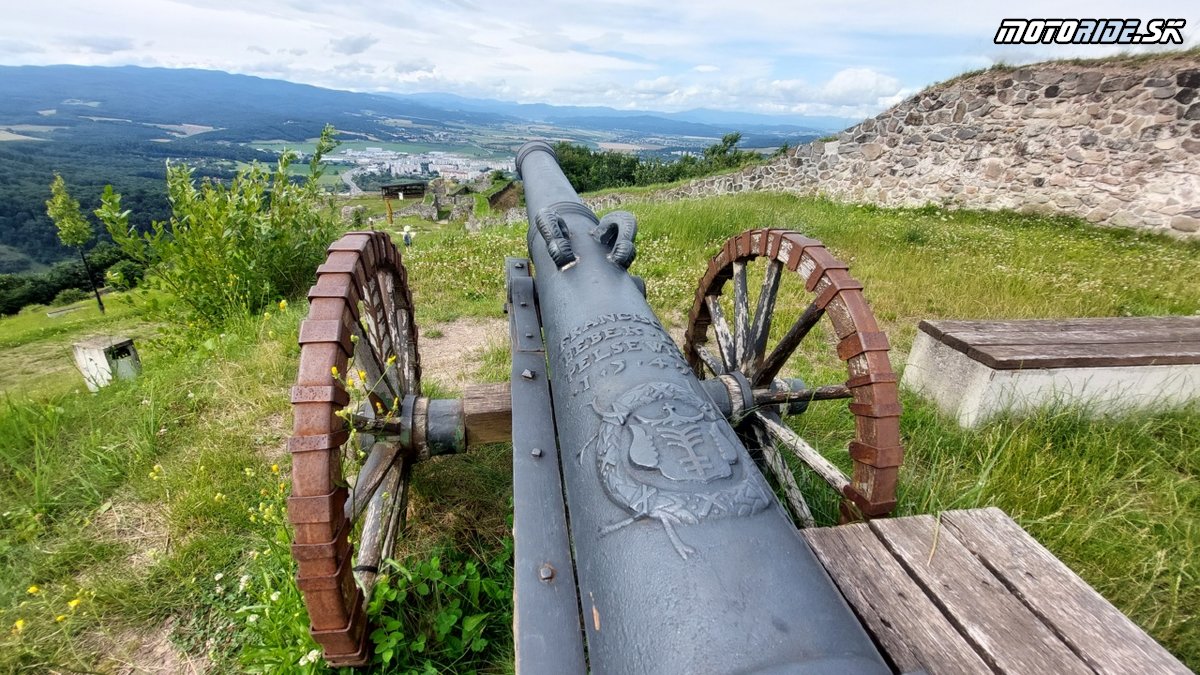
(686, 561)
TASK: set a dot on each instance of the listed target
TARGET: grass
(112, 499)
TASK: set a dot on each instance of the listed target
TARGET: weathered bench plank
(1095, 630)
(1070, 343)
(890, 603)
(1000, 626)
(974, 593)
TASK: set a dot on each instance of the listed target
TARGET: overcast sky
(848, 57)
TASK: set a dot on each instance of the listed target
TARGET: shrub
(68, 296)
(229, 251)
(125, 275)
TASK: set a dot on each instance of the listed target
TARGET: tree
(74, 230)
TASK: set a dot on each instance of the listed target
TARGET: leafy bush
(232, 250)
(125, 275)
(68, 296)
(442, 614)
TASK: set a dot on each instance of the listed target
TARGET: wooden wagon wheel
(358, 355)
(743, 348)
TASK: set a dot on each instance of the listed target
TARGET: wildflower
(243, 582)
(274, 468)
(270, 333)
(252, 618)
(220, 590)
(310, 657)
(33, 590)
(362, 375)
(333, 370)
(218, 576)
(266, 316)
(158, 468)
(248, 471)
(60, 618)
(391, 361)
(282, 305)
(275, 596)
(219, 498)
(18, 626)
(74, 602)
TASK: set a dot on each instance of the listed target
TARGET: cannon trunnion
(647, 537)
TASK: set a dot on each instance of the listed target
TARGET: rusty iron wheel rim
(359, 338)
(876, 449)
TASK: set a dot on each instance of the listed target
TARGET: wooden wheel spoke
(807, 453)
(711, 362)
(778, 467)
(764, 396)
(365, 359)
(741, 314)
(782, 351)
(379, 461)
(721, 328)
(752, 360)
(378, 537)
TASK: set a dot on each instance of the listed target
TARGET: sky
(847, 58)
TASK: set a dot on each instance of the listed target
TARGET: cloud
(19, 47)
(705, 68)
(858, 86)
(98, 44)
(258, 49)
(353, 44)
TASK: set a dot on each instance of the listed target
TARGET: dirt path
(453, 358)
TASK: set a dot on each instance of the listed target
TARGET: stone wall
(1116, 143)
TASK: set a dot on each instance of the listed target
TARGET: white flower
(218, 576)
(252, 618)
(275, 596)
(243, 582)
(310, 657)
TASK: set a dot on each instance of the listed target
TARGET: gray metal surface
(686, 562)
(546, 628)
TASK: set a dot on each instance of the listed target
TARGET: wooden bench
(972, 592)
(976, 369)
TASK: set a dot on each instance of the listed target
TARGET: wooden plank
(938, 328)
(487, 413)
(1095, 630)
(1010, 357)
(1008, 636)
(1065, 337)
(895, 610)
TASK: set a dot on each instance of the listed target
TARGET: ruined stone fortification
(1116, 143)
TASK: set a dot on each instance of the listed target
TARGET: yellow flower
(391, 360)
(33, 590)
(282, 305)
(274, 468)
(18, 626)
(74, 602)
(60, 618)
(362, 375)
(266, 316)
(333, 370)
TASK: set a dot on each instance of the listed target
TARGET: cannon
(655, 488)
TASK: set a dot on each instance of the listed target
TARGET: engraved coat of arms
(665, 453)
